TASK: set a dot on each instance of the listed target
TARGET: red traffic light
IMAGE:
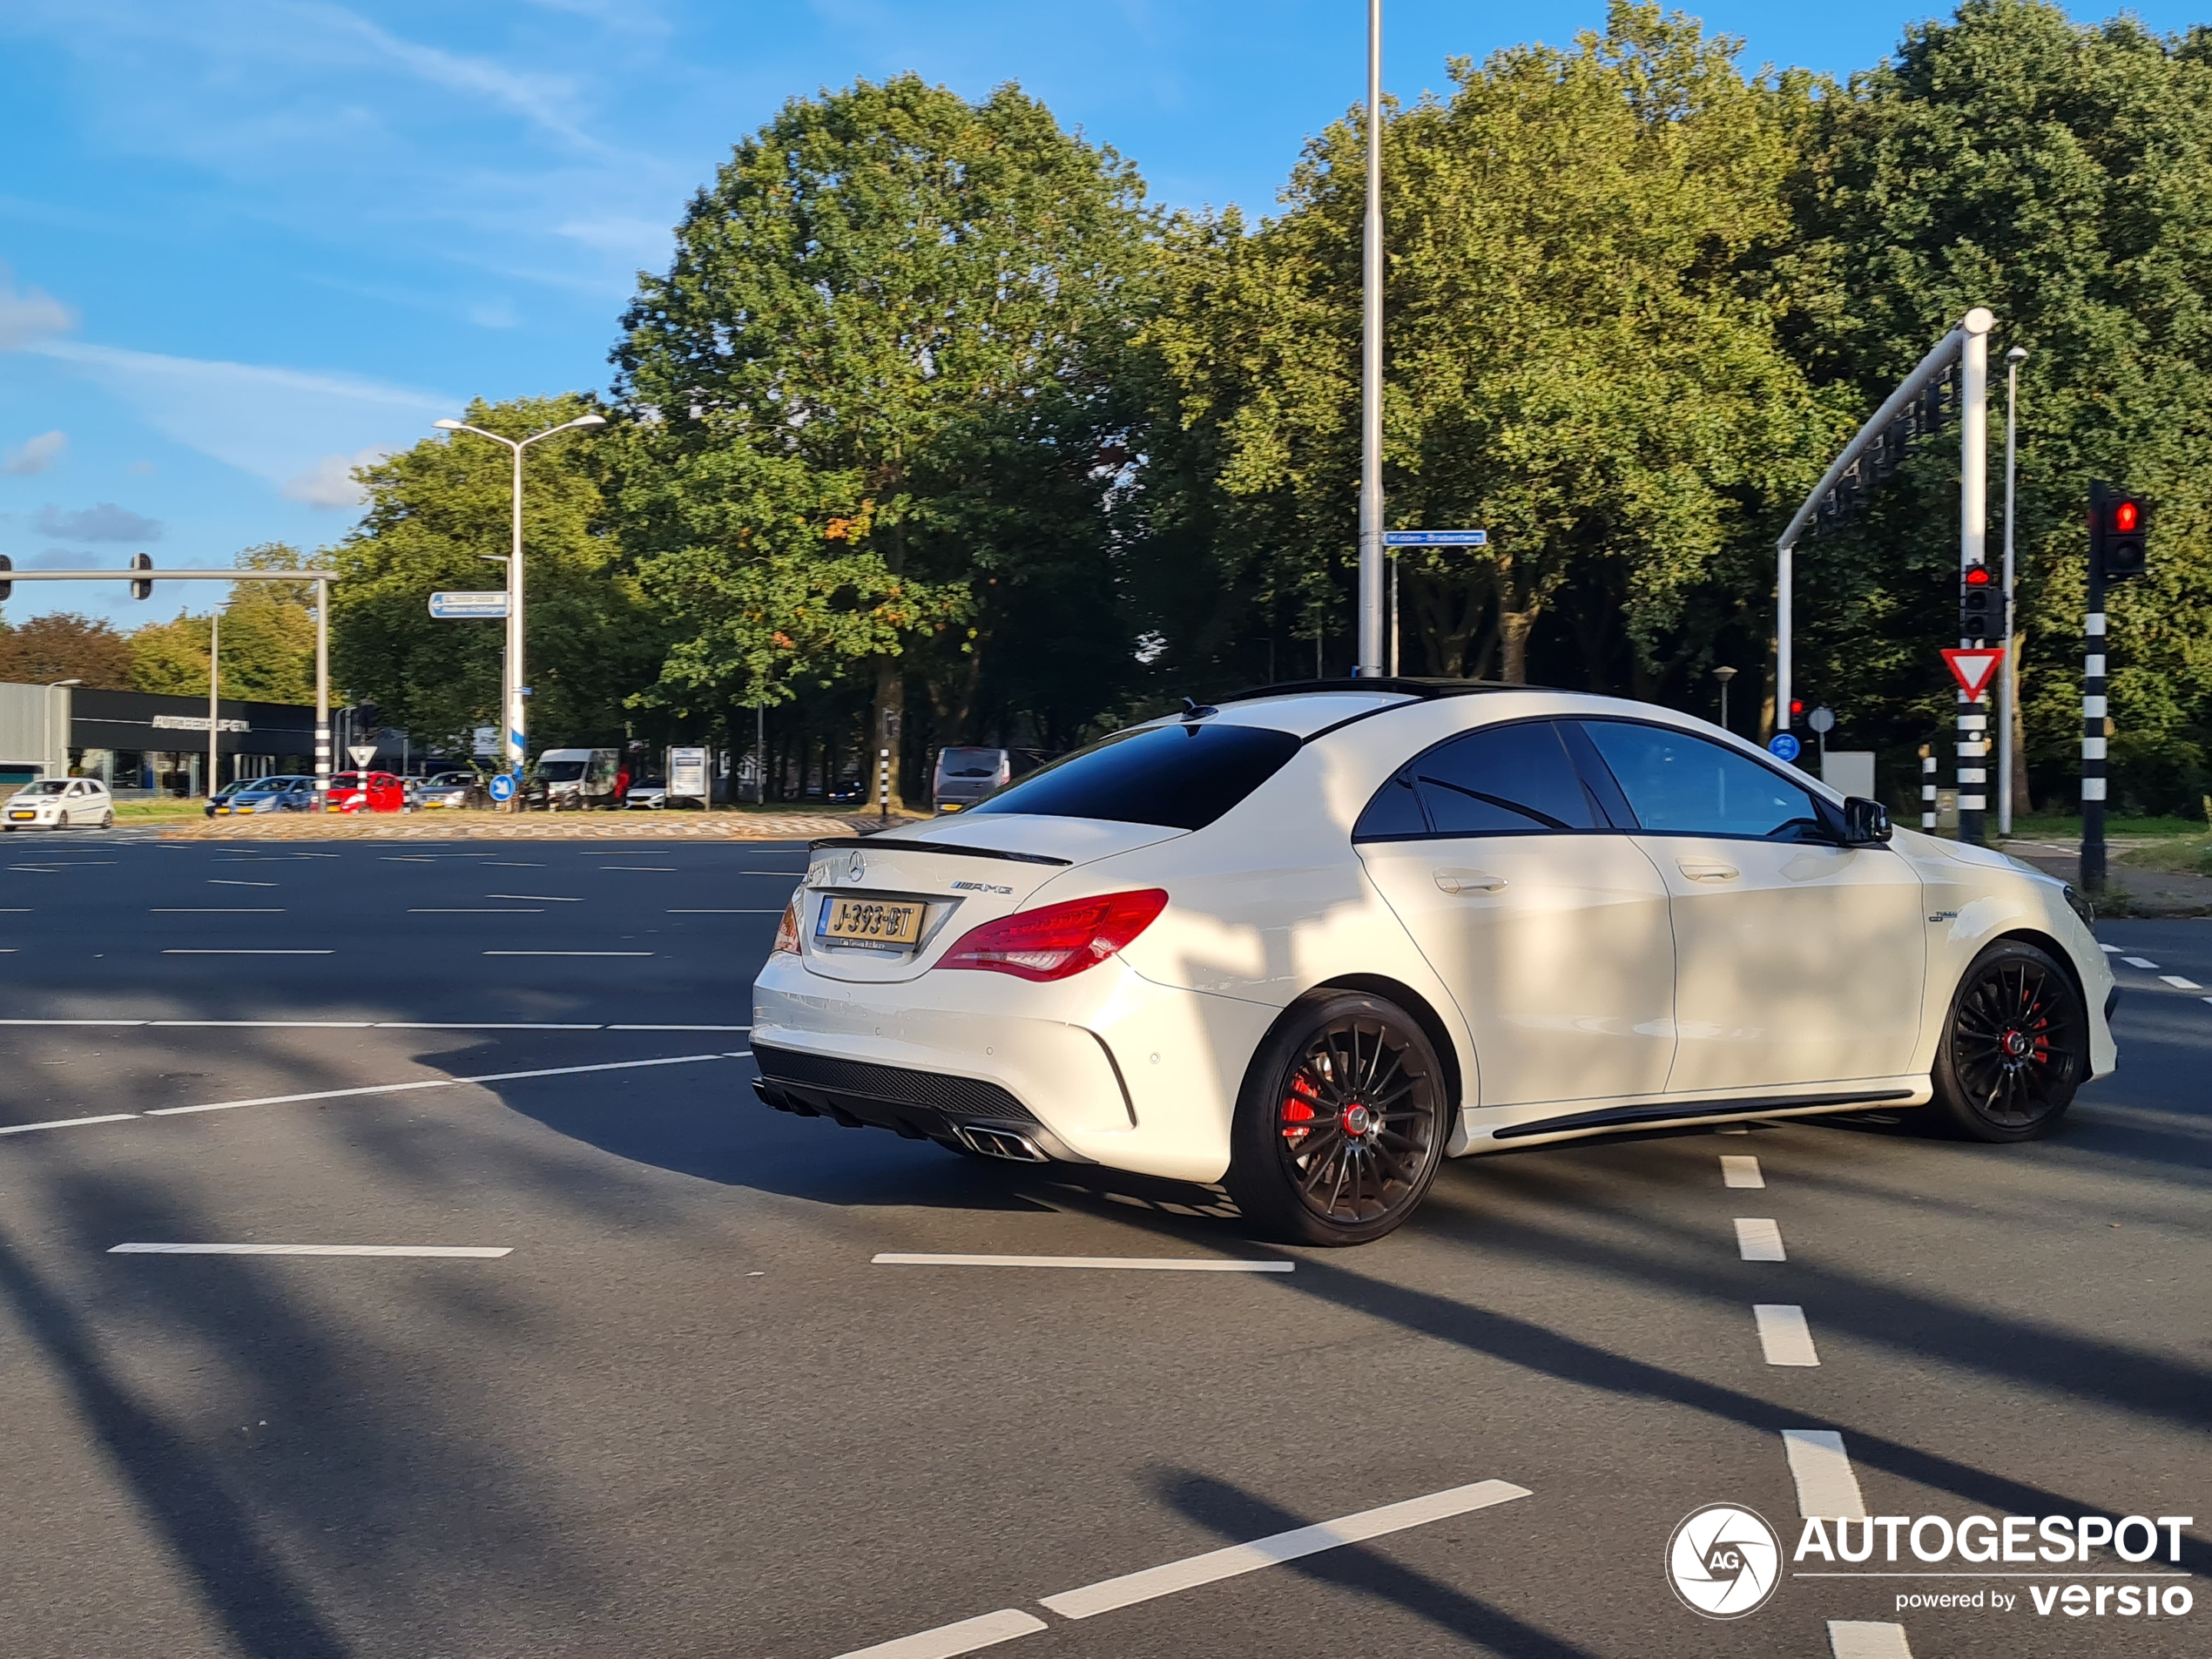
(1977, 576)
(1797, 705)
(2127, 517)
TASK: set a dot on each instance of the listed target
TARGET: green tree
(1582, 310)
(2062, 176)
(878, 422)
(267, 640)
(435, 513)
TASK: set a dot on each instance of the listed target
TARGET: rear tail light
(787, 929)
(1060, 939)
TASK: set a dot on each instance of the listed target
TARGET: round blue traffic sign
(502, 786)
(1784, 746)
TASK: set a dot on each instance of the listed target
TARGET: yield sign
(1974, 669)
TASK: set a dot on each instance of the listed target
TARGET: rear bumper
(1107, 1068)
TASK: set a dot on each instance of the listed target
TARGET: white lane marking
(542, 897)
(2179, 983)
(66, 1123)
(72, 1023)
(2109, 950)
(1863, 1639)
(726, 913)
(216, 910)
(1741, 1173)
(451, 910)
(241, 951)
(643, 869)
(791, 872)
(1733, 1129)
(22, 910)
(1159, 1263)
(316, 1025)
(502, 866)
(568, 953)
(678, 1028)
(1784, 1333)
(225, 881)
(2138, 961)
(1758, 1239)
(1826, 1485)
(312, 1249)
(481, 1025)
(1109, 1593)
(434, 1082)
(947, 1640)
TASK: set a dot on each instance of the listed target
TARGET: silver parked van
(965, 776)
(575, 779)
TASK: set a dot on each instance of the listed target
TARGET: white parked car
(1312, 941)
(56, 803)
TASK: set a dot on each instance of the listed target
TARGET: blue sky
(249, 242)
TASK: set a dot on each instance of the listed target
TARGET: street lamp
(51, 687)
(1369, 647)
(2013, 359)
(1724, 675)
(511, 687)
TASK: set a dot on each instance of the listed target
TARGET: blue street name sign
(456, 607)
(1436, 538)
(502, 785)
(1785, 747)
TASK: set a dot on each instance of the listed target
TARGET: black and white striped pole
(2093, 705)
(1927, 788)
(1973, 531)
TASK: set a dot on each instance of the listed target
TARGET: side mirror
(1866, 823)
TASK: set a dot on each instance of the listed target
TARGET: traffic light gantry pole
(142, 575)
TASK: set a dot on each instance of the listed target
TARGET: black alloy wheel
(2015, 1047)
(1342, 1123)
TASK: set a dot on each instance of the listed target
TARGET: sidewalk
(447, 825)
(2128, 890)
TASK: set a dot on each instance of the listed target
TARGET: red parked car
(383, 793)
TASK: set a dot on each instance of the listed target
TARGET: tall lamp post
(1370, 644)
(1724, 675)
(2009, 714)
(511, 690)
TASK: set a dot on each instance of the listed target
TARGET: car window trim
(1404, 771)
(1827, 838)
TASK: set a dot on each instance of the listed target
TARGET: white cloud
(27, 314)
(282, 425)
(105, 522)
(330, 482)
(546, 100)
(35, 454)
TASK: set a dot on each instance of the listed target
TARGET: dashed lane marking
(226, 881)
(1740, 1171)
(1159, 1263)
(947, 1640)
(240, 950)
(215, 910)
(727, 913)
(2179, 983)
(2109, 950)
(1758, 1239)
(568, 953)
(1862, 1639)
(312, 1249)
(534, 898)
(2138, 961)
(643, 869)
(1107, 1595)
(481, 910)
(1782, 1333)
(1826, 1484)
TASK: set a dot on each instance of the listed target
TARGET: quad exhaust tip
(994, 1143)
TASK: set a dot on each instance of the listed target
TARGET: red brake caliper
(1297, 1111)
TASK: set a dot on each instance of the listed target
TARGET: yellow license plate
(870, 921)
(24, 818)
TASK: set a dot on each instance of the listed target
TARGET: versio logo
(1724, 1560)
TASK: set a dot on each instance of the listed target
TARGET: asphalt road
(688, 1413)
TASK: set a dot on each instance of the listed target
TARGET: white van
(965, 776)
(576, 779)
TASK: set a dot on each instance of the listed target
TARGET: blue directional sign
(1436, 538)
(502, 785)
(456, 607)
(1785, 747)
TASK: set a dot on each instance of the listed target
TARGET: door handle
(1468, 881)
(1707, 869)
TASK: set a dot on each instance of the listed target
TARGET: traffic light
(1797, 712)
(2118, 523)
(142, 589)
(6, 587)
(1981, 606)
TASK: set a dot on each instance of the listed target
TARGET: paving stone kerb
(529, 827)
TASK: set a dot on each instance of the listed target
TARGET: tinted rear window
(1180, 777)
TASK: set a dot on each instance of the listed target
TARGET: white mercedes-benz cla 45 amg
(1314, 942)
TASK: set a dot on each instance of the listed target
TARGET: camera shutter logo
(1724, 1560)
